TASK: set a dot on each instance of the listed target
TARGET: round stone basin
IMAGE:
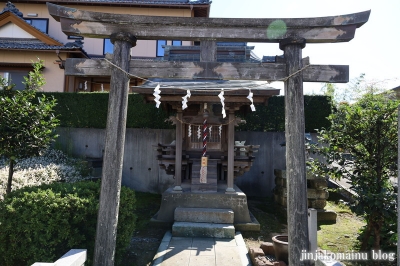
(280, 243)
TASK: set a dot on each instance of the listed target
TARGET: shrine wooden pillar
(231, 152)
(107, 220)
(295, 151)
(178, 151)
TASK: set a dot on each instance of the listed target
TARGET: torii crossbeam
(291, 34)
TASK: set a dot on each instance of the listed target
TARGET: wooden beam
(314, 30)
(93, 29)
(210, 70)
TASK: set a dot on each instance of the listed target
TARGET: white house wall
(10, 30)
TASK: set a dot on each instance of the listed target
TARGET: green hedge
(89, 110)
(42, 223)
(272, 116)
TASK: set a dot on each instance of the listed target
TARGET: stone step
(187, 229)
(204, 215)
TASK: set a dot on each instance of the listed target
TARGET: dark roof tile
(34, 44)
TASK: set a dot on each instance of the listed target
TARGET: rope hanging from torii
(205, 137)
(204, 159)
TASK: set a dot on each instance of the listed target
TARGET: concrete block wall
(142, 173)
(140, 168)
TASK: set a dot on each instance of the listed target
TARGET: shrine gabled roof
(172, 90)
(211, 84)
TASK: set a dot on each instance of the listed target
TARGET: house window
(176, 43)
(160, 48)
(108, 47)
(40, 23)
(15, 77)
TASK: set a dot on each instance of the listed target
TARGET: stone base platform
(236, 201)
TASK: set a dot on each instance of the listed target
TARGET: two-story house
(28, 32)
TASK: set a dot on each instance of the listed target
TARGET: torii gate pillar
(295, 151)
(106, 232)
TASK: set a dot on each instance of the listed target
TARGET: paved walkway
(196, 251)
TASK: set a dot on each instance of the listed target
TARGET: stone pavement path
(196, 251)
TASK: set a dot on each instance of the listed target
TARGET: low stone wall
(317, 193)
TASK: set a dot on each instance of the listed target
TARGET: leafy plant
(361, 145)
(27, 124)
(42, 223)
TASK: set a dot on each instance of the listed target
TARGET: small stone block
(256, 252)
(280, 181)
(326, 216)
(262, 261)
(317, 193)
(317, 203)
(282, 201)
(268, 248)
(280, 173)
(204, 215)
(318, 183)
(187, 229)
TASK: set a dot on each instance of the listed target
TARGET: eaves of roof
(33, 44)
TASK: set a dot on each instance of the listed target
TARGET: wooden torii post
(291, 34)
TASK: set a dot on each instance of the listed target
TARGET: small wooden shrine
(205, 123)
(204, 105)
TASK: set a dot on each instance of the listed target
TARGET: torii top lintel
(270, 30)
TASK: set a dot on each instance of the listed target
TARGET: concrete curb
(162, 249)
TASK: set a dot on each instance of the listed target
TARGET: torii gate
(124, 30)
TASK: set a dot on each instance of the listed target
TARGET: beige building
(28, 32)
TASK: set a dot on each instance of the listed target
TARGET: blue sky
(374, 50)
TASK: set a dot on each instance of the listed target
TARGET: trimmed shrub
(89, 110)
(42, 223)
(272, 117)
